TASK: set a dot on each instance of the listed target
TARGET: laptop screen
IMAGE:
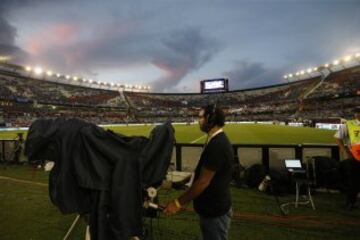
(293, 163)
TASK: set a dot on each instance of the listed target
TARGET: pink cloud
(57, 35)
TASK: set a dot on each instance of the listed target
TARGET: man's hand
(171, 209)
(349, 154)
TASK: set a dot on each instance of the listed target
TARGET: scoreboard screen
(214, 85)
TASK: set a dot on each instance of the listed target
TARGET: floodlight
(28, 68)
(315, 69)
(347, 58)
(67, 77)
(285, 76)
(90, 80)
(38, 70)
(49, 73)
(309, 70)
(357, 55)
(58, 74)
(336, 62)
(290, 75)
(326, 65)
(75, 78)
(302, 72)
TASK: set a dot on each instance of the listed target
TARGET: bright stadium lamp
(38, 70)
(58, 75)
(302, 72)
(67, 77)
(90, 80)
(315, 69)
(297, 73)
(326, 65)
(347, 58)
(28, 68)
(75, 78)
(285, 76)
(49, 73)
(309, 70)
(336, 62)
(357, 55)
(290, 75)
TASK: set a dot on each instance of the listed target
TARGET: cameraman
(210, 190)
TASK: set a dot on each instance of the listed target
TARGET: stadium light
(290, 75)
(347, 58)
(67, 77)
(58, 75)
(75, 78)
(357, 55)
(90, 80)
(4, 58)
(285, 76)
(297, 74)
(302, 72)
(315, 69)
(336, 62)
(28, 68)
(326, 65)
(38, 70)
(309, 70)
(49, 73)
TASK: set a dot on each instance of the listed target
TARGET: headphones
(211, 116)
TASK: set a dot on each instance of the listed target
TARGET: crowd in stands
(23, 89)
(22, 100)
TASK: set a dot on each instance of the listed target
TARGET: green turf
(27, 213)
(238, 134)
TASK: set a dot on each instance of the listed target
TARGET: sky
(173, 44)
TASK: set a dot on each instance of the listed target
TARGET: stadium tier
(24, 99)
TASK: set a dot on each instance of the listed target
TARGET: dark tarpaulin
(100, 172)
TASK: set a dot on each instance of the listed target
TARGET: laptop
(294, 166)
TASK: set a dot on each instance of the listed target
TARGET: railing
(265, 150)
(335, 154)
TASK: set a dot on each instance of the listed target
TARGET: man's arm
(343, 148)
(195, 190)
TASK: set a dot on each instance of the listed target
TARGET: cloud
(185, 51)
(123, 45)
(246, 74)
(8, 32)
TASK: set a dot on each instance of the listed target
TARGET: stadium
(108, 111)
(295, 112)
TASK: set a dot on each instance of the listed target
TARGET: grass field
(27, 213)
(238, 134)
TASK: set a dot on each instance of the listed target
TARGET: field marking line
(24, 181)
(199, 138)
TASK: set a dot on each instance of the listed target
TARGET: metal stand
(87, 233)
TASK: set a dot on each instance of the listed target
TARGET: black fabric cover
(100, 172)
(254, 175)
(326, 170)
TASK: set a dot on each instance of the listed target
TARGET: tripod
(71, 229)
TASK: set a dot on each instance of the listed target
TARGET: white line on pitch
(198, 139)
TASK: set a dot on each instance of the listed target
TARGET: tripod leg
(71, 227)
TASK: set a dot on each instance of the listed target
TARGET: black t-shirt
(217, 156)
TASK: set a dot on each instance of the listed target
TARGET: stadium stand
(24, 99)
